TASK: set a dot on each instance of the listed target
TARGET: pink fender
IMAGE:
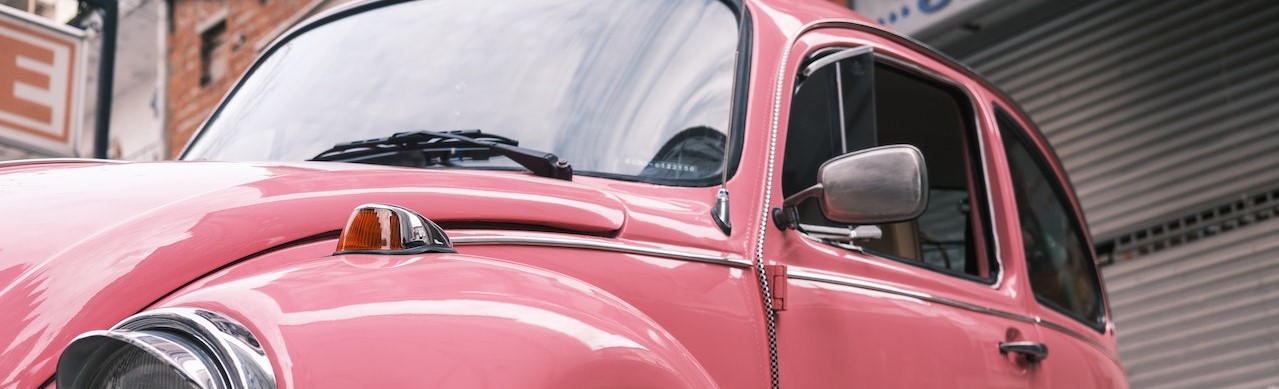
(441, 320)
(82, 265)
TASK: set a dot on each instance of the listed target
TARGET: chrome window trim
(1042, 159)
(990, 222)
(578, 243)
(840, 55)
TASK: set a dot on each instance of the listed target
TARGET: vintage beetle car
(727, 194)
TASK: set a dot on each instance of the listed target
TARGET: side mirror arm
(787, 216)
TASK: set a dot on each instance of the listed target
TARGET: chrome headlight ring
(168, 347)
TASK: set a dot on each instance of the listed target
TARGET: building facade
(211, 43)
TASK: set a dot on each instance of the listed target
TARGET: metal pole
(106, 74)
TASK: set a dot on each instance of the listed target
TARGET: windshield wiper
(440, 148)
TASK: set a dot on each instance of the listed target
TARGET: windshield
(636, 89)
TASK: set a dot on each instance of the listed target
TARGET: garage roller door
(1202, 315)
(1157, 108)
(1166, 116)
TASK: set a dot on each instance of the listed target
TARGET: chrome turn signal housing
(390, 229)
(167, 348)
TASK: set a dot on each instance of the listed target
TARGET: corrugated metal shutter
(1202, 315)
(1157, 108)
(1166, 116)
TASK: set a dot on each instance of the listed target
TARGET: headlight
(167, 348)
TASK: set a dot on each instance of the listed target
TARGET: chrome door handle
(1032, 351)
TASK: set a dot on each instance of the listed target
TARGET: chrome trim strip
(807, 275)
(1080, 336)
(49, 161)
(525, 240)
(802, 274)
(838, 56)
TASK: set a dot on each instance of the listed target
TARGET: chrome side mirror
(879, 185)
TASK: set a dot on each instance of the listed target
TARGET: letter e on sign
(37, 80)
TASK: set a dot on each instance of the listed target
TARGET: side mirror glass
(879, 185)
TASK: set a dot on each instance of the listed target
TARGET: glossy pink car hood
(51, 208)
(86, 244)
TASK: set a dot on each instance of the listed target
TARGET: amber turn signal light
(389, 229)
(371, 229)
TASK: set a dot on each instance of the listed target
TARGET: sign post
(106, 74)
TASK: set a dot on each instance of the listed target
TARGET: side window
(1062, 273)
(831, 115)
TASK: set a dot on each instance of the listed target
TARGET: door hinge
(776, 275)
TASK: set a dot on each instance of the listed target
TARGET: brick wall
(248, 23)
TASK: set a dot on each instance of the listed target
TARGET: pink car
(567, 194)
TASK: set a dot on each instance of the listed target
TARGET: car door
(928, 302)
(1069, 302)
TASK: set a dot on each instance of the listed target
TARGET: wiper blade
(444, 147)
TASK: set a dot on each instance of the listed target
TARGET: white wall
(137, 115)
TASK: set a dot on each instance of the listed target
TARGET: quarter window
(1062, 273)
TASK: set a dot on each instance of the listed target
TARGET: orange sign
(38, 80)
